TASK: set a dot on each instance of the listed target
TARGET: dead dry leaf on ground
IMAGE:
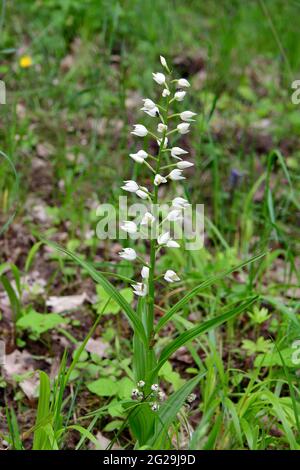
(30, 386)
(103, 442)
(18, 363)
(67, 63)
(96, 346)
(293, 293)
(133, 100)
(44, 149)
(37, 210)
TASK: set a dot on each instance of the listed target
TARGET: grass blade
(41, 436)
(13, 428)
(13, 298)
(189, 335)
(168, 411)
(210, 281)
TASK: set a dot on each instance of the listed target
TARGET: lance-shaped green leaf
(207, 283)
(193, 333)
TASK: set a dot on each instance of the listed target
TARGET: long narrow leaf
(189, 335)
(41, 437)
(13, 298)
(207, 283)
(13, 427)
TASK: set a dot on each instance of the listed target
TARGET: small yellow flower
(25, 61)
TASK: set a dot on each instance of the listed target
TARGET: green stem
(172, 132)
(149, 166)
(151, 156)
(153, 135)
(168, 166)
(150, 317)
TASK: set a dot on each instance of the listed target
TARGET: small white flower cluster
(191, 398)
(137, 393)
(156, 394)
(173, 90)
(159, 396)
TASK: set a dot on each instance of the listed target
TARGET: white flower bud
(139, 130)
(172, 244)
(139, 157)
(159, 180)
(180, 203)
(134, 394)
(162, 127)
(145, 272)
(142, 194)
(141, 384)
(176, 175)
(183, 165)
(187, 116)
(163, 238)
(129, 227)
(171, 276)
(174, 215)
(155, 407)
(165, 142)
(154, 112)
(163, 62)
(128, 253)
(183, 83)
(176, 151)
(183, 128)
(159, 78)
(140, 289)
(149, 104)
(130, 186)
(179, 95)
(147, 219)
(154, 387)
(192, 397)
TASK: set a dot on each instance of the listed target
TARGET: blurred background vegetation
(92, 63)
